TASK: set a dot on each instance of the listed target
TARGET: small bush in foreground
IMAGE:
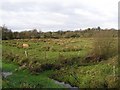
(105, 46)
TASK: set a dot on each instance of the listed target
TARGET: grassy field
(25, 79)
(59, 59)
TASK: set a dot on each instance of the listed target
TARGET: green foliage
(105, 46)
(91, 76)
(7, 34)
(39, 56)
(24, 79)
(65, 59)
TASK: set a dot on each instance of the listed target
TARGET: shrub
(103, 46)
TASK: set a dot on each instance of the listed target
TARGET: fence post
(26, 54)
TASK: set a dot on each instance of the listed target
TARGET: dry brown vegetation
(104, 46)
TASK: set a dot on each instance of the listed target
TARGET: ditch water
(66, 85)
(5, 74)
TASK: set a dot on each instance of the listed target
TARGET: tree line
(8, 34)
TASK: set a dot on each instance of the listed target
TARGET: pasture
(62, 59)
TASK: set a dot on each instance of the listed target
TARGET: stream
(66, 85)
(6, 74)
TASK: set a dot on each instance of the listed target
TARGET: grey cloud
(73, 20)
(27, 6)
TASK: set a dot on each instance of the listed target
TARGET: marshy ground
(65, 60)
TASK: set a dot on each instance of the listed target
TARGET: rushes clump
(104, 46)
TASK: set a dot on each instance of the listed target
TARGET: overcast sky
(56, 15)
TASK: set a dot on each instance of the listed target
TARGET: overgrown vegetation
(86, 59)
(104, 46)
(25, 79)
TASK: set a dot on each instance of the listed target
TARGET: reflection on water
(66, 85)
(5, 74)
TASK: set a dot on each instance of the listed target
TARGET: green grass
(9, 67)
(36, 49)
(90, 76)
(24, 79)
(73, 50)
